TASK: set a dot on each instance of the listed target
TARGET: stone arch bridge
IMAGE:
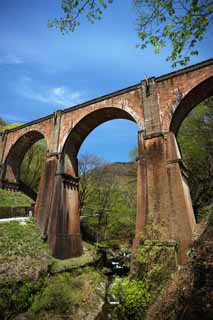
(158, 106)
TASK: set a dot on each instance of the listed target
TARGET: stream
(118, 267)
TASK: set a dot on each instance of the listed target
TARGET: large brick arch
(195, 96)
(85, 125)
(16, 153)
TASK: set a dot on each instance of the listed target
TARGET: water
(117, 268)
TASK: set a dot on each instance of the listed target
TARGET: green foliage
(156, 261)
(204, 212)
(17, 297)
(64, 293)
(108, 201)
(5, 126)
(121, 222)
(59, 295)
(32, 281)
(133, 298)
(133, 153)
(182, 24)
(21, 239)
(92, 10)
(32, 164)
(196, 142)
(8, 198)
(23, 256)
(2, 123)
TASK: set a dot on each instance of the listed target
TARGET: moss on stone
(89, 257)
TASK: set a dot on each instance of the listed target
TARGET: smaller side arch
(14, 158)
(190, 100)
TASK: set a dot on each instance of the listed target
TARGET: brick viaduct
(158, 106)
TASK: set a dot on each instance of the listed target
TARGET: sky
(42, 70)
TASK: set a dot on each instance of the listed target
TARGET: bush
(58, 296)
(17, 297)
(133, 298)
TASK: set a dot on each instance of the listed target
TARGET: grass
(22, 251)
(9, 198)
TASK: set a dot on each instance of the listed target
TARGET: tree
(32, 164)
(107, 201)
(133, 153)
(90, 170)
(2, 123)
(182, 24)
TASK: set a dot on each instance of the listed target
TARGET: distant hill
(4, 126)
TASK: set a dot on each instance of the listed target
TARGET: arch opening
(107, 190)
(196, 146)
(189, 102)
(24, 163)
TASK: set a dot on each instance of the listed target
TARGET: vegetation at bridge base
(71, 294)
(156, 262)
(24, 260)
(133, 297)
(33, 285)
(188, 295)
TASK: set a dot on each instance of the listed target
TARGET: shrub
(133, 298)
(17, 297)
(58, 296)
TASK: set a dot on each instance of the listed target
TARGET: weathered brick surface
(157, 106)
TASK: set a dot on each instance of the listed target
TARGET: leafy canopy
(182, 24)
(179, 23)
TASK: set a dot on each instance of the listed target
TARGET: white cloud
(60, 95)
(11, 59)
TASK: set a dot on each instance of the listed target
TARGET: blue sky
(41, 70)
